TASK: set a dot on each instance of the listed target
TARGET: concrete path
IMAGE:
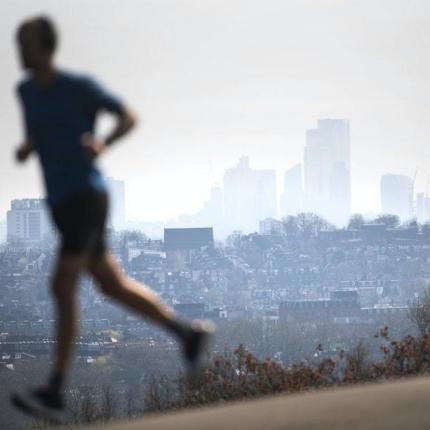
(403, 405)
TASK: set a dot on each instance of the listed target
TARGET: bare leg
(64, 287)
(134, 295)
(194, 336)
(47, 401)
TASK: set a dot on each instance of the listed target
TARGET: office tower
(426, 209)
(422, 208)
(397, 196)
(292, 196)
(28, 221)
(327, 171)
(266, 193)
(3, 231)
(420, 205)
(249, 196)
(212, 211)
(117, 203)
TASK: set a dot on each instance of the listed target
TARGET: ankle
(179, 328)
(56, 382)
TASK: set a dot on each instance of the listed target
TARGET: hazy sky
(215, 79)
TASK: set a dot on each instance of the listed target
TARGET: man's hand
(93, 147)
(23, 152)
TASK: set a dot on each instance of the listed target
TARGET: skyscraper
(28, 221)
(422, 208)
(327, 170)
(211, 213)
(213, 208)
(117, 203)
(292, 195)
(397, 193)
(420, 205)
(249, 196)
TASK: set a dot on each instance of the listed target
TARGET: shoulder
(78, 80)
(23, 87)
(91, 91)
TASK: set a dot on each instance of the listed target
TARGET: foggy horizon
(218, 81)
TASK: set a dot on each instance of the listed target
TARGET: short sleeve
(98, 98)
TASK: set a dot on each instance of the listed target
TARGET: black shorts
(81, 222)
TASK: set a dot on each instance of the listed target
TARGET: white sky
(215, 79)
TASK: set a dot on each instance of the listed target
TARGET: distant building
(210, 214)
(342, 306)
(422, 208)
(270, 226)
(249, 196)
(212, 211)
(117, 203)
(28, 221)
(216, 313)
(191, 310)
(181, 244)
(269, 325)
(3, 231)
(327, 171)
(292, 195)
(397, 193)
(187, 238)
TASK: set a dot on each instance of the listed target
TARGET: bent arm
(126, 120)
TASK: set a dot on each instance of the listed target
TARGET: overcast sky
(216, 79)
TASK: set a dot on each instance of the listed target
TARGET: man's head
(37, 41)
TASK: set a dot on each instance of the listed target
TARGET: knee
(66, 277)
(109, 287)
(64, 285)
(109, 283)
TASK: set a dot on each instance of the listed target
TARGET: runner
(59, 110)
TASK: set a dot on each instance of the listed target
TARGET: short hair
(47, 31)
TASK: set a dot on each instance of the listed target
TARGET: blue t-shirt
(55, 119)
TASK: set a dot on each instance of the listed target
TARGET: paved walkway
(403, 405)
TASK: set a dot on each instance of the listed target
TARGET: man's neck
(45, 76)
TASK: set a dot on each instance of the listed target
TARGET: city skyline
(318, 183)
(227, 79)
(255, 205)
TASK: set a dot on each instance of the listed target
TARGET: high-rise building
(28, 221)
(327, 171)
(422, 208)
(249, 196)
(292, 195)
(397, 193)
(3, 231)
(420, 203)
(117, 203)
(212, 212)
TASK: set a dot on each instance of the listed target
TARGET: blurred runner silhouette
(59, 110)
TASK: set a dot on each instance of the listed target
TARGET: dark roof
(187, 238)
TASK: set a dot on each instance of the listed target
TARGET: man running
(59, 110)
